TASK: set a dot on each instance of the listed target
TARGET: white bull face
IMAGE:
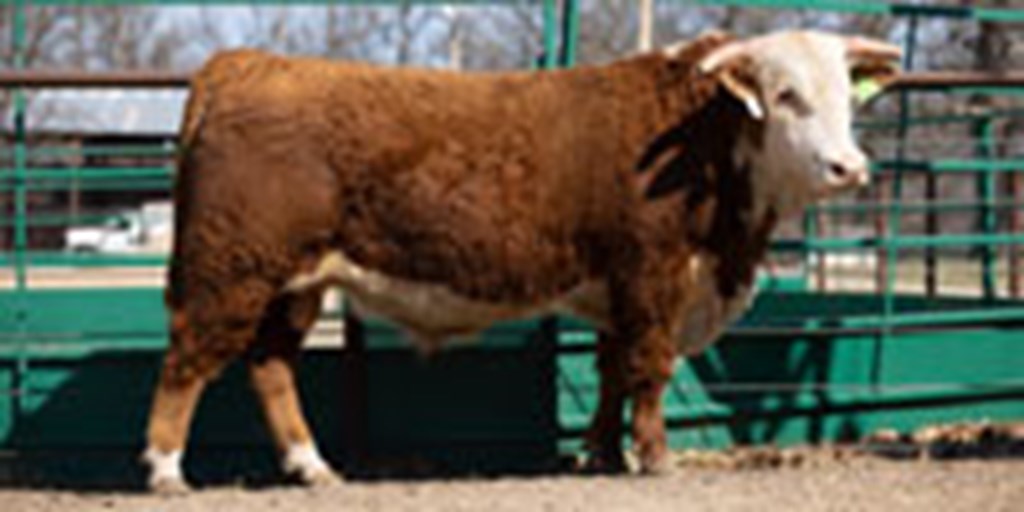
(799, 87)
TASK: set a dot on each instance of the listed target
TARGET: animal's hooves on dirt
(169, 486)
(317, 479)
(604, 465)
(656, 466)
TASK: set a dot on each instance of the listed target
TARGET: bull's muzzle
(848, 171)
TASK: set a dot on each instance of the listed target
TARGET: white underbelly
(432, 313)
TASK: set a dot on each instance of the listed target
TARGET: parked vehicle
(144, 230)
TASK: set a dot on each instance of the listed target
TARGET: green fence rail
(879, 8)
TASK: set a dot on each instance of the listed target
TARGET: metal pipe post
(986, 190)
(550, 14)
(570, 32)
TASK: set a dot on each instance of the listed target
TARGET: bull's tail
(195, 108)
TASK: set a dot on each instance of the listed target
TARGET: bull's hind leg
(272, 363)
(208, 329)
(170, 415)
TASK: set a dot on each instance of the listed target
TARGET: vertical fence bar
(550, 15)
(1013, 270)
(810, 228)
(18, 42)
(570, 32)
(821, 269)
(895, 208)
(931, 278)
(984, 134)
(20, 151)
(881, 218)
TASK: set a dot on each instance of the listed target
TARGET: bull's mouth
(834, 189)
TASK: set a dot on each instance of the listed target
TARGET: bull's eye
(790, 99)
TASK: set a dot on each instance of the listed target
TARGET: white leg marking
(164, 470)
(304, 461)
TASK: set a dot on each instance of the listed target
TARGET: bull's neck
(695, 137)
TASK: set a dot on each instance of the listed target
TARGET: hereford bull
(639, 195)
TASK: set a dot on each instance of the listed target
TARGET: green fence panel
(817, 383)
(487, 406)
(68, 315)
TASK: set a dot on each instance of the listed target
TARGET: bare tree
(407, 29)
(645, 37)
(502, 37)
(352, 32)
(454, 16)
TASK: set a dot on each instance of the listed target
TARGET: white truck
(140, 231)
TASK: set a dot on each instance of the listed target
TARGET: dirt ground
(962, 467)
(856, 484)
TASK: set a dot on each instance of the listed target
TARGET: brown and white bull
(639, 195)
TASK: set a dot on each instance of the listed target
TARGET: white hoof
(316, 479)
(304, 463)
(164, 472)
(169, 486)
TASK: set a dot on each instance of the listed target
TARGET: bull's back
(426, 176)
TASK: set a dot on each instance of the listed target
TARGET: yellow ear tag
(866, 88)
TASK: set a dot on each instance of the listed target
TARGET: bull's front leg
(651, 358)
(635, 359)
(640, 371)
(604, 439)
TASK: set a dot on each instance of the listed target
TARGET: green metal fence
(827, 353)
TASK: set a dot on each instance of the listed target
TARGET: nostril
(838, 170)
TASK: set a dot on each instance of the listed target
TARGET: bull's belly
(432, 313)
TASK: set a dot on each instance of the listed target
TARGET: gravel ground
(856, 483)
(975, 467)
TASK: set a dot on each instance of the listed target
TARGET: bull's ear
(733, 68)
(872, 60)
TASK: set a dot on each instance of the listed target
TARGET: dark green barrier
(807, 368)
(518, 400)
(485, 407)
